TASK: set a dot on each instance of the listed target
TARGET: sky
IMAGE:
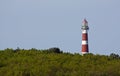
(43, 24)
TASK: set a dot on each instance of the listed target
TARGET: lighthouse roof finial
(85, 21)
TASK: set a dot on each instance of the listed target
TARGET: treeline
(50, 50)
(54, 62)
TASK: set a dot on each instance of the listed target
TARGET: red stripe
(85, 36)
(85, 48)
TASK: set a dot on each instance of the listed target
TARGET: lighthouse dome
(84, 22)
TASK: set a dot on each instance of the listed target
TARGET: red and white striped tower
(85, 28)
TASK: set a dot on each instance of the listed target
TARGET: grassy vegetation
(53, 62)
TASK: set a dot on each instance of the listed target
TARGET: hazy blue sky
(43, 24)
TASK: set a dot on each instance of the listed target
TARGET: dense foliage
(53, 62)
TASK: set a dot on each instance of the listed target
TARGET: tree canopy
(54, 62)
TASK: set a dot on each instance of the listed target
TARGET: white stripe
(84, 52)
(84, 42)
(84, 31)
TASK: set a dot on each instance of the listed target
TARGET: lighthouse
(85, 28)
